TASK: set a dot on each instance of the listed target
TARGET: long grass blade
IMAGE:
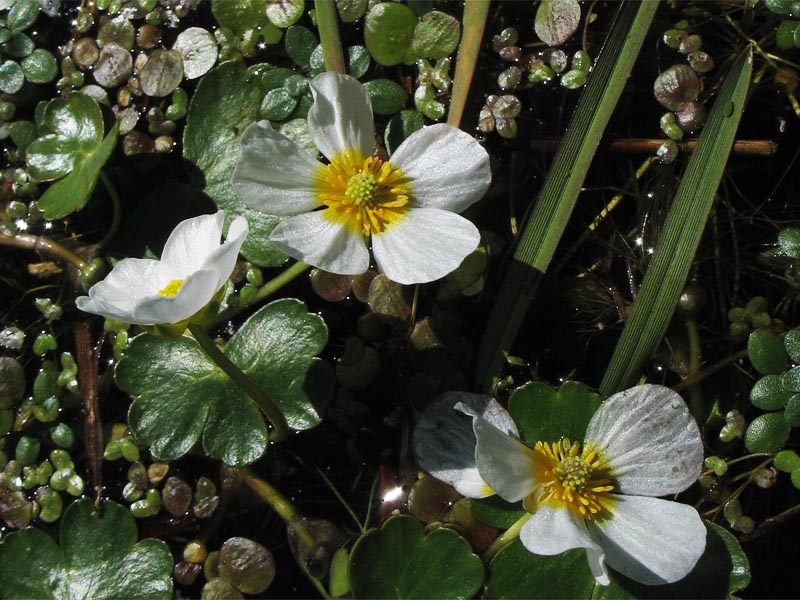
(680, 236)
(558, 195)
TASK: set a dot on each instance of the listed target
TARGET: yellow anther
(172, 288)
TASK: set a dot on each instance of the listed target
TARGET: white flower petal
(223, 259)
(447, 167)
(504, 463)
(129, 281)
(650, 540)
(341, 116)
(426, 245)
(488, 409)
(551, 531)
(650, 440)
(195, 292)
(190, 244)
(444, 442)
(273, 175)
(322, 243)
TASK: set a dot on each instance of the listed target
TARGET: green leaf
(436, 35)
(766, 352)
(40, 66)
(400, 127)
(300, 43)
(357, 61)
(226, 101)
(182, 395)
(400, 561)
(388, 32)
(99, 558)
(767, 433)
(791, 342)
(496, 512)
(12, 77)
(283, 13)
(351, 10)
(22, 134)
(277, 105)
(19, 46)
(386, 96)
(557, 20)
(544, 414)
(792, 412)
(516, 573)
(22, 15)
(768, 393)
(787, 461)
(239, 15)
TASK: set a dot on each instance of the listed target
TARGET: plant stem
(474, 22)
(328, 26)
(45, 246)
(116, 218)
(267, 407)
(266, 290)
(508, 536)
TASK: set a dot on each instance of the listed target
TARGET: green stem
(266, 290)
(474, 21)
(116, 204)
(328, 26)
(503, 540)
(695, 360)
(275, 416)
(698, 376)
(45, 246)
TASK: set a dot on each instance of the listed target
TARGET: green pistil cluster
(362, 189)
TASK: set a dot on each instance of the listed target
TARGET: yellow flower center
(171, 288)
(571, 478)
(366, 194)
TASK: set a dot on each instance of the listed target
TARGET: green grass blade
(680, 236)
(557, 198)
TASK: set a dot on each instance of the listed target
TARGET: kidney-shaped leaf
(182, 394)
(557, 20)
(400, 561)
(99, 558)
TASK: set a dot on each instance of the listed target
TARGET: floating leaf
(545, 414)
(182, 394)
(386, 96)
(496, 512)
(557, 20)
(226, 101)
(76, 147)
(516, 573)
(162, 73)
(389, 31)
(22, 15)
(768, 393)
(767, 352)
(12, 78)
(98, 558)
(400, 561)
(357, 61)
(436, 35)
(40, 66)
(283, 13)
(400, 127)
(198, 50)
(351, 10)
(300, 43)
(246, 565)
(767, 433)
(277, 105)
(239, 15)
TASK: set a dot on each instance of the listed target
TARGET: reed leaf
(666, 276)
(555, 201)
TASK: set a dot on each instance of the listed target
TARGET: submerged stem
(45, 246)
(504, 539)
(267, 407)
(116, 204)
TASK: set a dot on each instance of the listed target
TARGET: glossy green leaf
(516, 573)
(557, 20)
(22, 134)
(239, 15)
(22, 15)
(357, 61)
(400, 561)
(545, 414)
(388, 32)
(99, 557)
(386, 96)
(792, 412)
(496, 512)
(766, 352)
(351, 10)
(767, 433)
(400, 127)
(40, 66)
(283, 13)
(226, 101)
(768, 393)
(436, 35)
(787, 461)
(791, 379)
(791, 342)
(19, 45)
(182, 395)
(277, 105)
(300, 43)
(12, 77)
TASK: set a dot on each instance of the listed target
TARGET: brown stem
(650, 146)
(86, 358)
(44, 245)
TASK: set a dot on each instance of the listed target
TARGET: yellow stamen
(366, 194)
(171, 288)
(578, 481)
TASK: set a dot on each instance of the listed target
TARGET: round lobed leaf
(12, 77)
(40, 66)
(239, 15)
(283, 13)
(246, 565)
(388, 32)
(436, 35)
(300, 43)
(767, 433)
(387, 97)
(557, 20)
(198, 51)
(766, 352)
(768, 393)
(162, 73)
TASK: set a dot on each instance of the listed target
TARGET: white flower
(406, 205)
(194, 266)
(641, 443)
